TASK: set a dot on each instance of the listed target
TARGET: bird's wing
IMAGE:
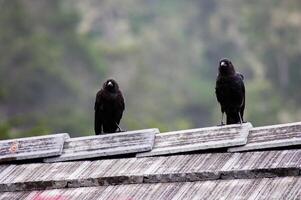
(244, 94)
(121, 99)
(120, 107)
(220, 94)
(98, 113)
(240, 88)
(218, 91)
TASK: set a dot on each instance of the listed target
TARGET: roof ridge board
(275, 144)
(191, 148)
(97, 153)
(194, 130)
(66, 135)
(241, 136)
(276, 125)
(145, 143)
(155, 130)
(271, 142)
(48, 153)
(32, 147)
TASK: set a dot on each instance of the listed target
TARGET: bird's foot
(120, 130)
(221, 124)
(242, 122)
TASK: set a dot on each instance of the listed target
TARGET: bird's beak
(223, 64)
(110, 84)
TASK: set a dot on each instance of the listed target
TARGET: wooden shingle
(285, 188)
(180, 168)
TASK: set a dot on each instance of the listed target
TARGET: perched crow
(230, 92)
(109, 107)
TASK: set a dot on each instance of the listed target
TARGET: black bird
(230, 92)
(109, 107)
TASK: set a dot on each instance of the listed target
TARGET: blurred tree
(41, 56)
(164, 54)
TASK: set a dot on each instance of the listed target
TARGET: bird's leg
(222, 122)
(119, 129)
(240, 118)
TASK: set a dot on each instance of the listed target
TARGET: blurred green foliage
(54, 56)
(43, 62)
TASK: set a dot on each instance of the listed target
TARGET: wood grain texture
(183, 168)
(107, 145)
(266, 137)
(199, 139)
(287, 188)
(32, 147)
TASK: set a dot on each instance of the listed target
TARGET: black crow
(109, 107)
(230, 92)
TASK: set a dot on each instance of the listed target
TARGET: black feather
(109, 107)
(230, 92)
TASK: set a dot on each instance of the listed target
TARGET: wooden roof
(188, 164)
(180, 168)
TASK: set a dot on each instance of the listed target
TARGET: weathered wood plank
(283, 135)
(181, 168)
(264, 188)
(107, 145)
(32, 147)
(199, 139)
